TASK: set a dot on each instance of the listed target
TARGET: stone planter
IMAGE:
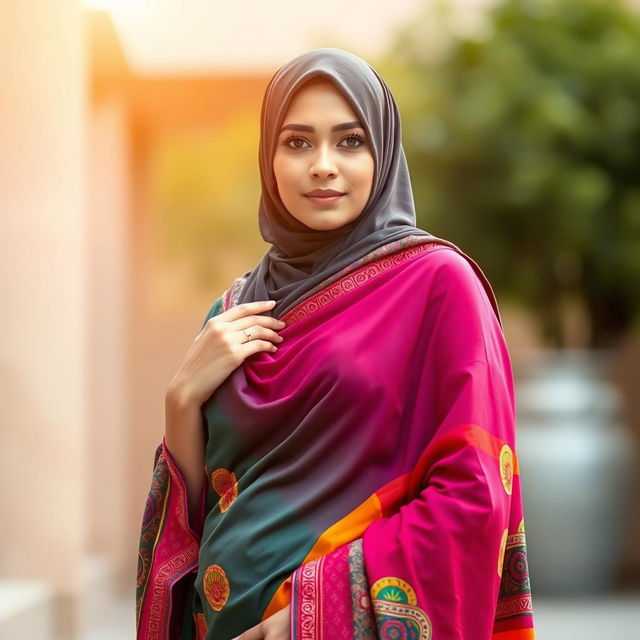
(576, 463)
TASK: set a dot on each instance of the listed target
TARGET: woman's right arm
(184, 438)
(219, 348)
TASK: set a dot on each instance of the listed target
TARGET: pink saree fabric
(446, 555)
(375, 485)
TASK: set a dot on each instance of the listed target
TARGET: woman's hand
(276, 627)
(220, 347)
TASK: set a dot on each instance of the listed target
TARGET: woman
(356, 477)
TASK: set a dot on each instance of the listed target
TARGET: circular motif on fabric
(393, 630)
(225, 484)
(201, 626)
(503, 547)
(216, 586)
(394, 590)
(521, 526)
(518, 566)
(506, 468)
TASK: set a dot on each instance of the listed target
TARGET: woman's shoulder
(455, 276)
(449, 265)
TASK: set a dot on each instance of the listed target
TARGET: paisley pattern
(225, 484)
(506, 468)
(362, 618)
(397, 615)
(151, 521)
(216, 586)
(143, 567)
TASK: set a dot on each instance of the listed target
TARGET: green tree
(524, 148)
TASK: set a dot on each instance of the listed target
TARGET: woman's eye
(294, 139)
(354, 136)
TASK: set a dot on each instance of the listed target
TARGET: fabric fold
(168, 550)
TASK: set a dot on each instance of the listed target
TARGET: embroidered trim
(310, 603)
(231, 296)
(514, 598)
(353, 280)
(167, 576)
(397, 614)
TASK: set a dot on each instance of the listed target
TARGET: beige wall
(108, 260)
(64, 256)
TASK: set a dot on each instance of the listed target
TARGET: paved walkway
(612, 618)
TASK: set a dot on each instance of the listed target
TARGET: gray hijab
(301, 257)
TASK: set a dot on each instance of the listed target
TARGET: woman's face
(321, 145)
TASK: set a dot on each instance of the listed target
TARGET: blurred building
(83, 405)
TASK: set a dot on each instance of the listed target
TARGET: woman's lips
(322, 201)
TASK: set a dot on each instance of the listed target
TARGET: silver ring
(247, 333)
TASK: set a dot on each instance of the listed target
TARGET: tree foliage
(524, 149)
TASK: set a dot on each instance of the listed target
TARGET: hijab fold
(301, 257)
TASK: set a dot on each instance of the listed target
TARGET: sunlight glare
(110, 5)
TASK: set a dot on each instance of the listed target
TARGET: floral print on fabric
(225, 484)
(216, 586)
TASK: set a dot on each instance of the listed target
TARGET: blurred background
(129, 182)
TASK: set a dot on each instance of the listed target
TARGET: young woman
(340, 462)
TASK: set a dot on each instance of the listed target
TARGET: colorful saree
(365, 473)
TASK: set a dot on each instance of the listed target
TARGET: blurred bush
(524, 149)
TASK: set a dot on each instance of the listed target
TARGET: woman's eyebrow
(306, 127)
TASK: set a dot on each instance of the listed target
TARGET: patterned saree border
(354, 279)
(159, 462)
(231, 296)
(156, 602)
(306, 602)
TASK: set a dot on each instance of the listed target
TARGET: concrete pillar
(43, 276)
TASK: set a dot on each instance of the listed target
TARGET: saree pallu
(365, 473)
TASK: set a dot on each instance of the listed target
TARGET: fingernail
(271, 302)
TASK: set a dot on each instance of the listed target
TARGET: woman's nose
(323, 163)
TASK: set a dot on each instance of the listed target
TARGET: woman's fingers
(276, 627)
(255, 633)
(246, 308)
